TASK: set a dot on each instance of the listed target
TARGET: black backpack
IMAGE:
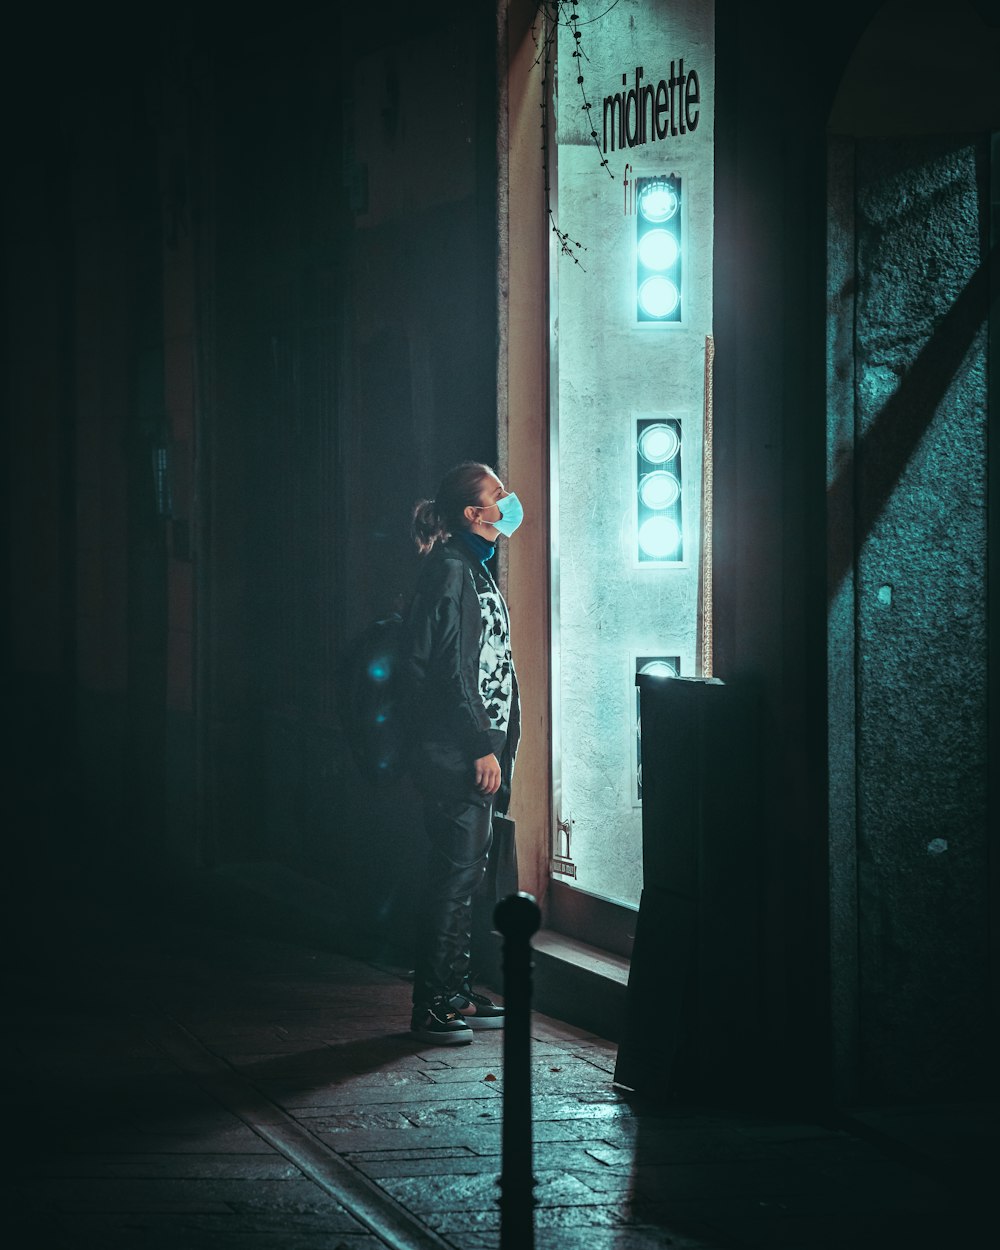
(371, 701)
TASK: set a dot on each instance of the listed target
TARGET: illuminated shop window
(658, 251)
(660, 666)
(659, 522)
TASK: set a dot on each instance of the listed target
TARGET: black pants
(459, 835)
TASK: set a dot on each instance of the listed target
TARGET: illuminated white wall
(606, 609)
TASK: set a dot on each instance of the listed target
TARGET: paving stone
(264, 1225)
(590, 1238)
(486, 1072)
(569, 1107)
(571, 1159)
(328, 1097)
(195, 1123)
(479, 1101)
(460, 1115)
(545, 1028)
(134, 1153)
(336, 1074)
(166, 1238)
(583, 1237)
(629, 1129)
(599, 1067)
(325, 1122)
(271, 1166)
(237, 1138)
(472, 1192)
(581, 1225)
(480, 1138)
(545, 1081)
(287, 1197)
(575, 1129)
(416, 1151)
(486, 1047)
(95, 1197)
(268, 1045)
(435, 1165)
(181, 1231)
(697, 1146)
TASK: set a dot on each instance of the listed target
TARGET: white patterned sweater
(495, 665)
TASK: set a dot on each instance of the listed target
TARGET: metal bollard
(517, 917)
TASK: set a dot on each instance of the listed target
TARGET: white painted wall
(605, 609)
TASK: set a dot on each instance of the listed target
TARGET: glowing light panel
(658, 297)
(659, 264)
(659, 537)
(658, 249)
(659, 489)
(658, 200)
(659, 443)
(659, 668)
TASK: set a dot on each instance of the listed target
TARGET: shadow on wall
(907, 415)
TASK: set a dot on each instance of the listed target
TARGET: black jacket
(448, 725)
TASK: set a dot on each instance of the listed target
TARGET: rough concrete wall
(841, 692)
(921, 623)
(608, 371)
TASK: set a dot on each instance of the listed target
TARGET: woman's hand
(487, 774)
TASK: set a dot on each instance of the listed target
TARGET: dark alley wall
(914, 361)
(250, 319)
(352, 350)
(912, 557)
(862, 989)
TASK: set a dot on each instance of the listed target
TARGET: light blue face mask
(511, 515)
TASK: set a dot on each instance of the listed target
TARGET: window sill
(579, 984)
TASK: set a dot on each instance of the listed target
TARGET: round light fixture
(659, 490)
(659, 443)
(658, 297)
(658, 249)
(658, 201)
(658, 668)
(659, 537)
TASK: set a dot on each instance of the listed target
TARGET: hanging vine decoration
(581, 56)
(554, 12)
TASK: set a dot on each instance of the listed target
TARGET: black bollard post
(517, 917)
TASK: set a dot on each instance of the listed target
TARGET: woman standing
(465, 719)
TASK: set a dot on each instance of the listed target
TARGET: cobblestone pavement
(212, 1090)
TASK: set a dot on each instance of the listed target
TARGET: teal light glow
(379, 670)
(659, 537)
(659, 489)
(658, 201)
(658, 297)
(658, 249)
(658, 668)
(659, 443)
